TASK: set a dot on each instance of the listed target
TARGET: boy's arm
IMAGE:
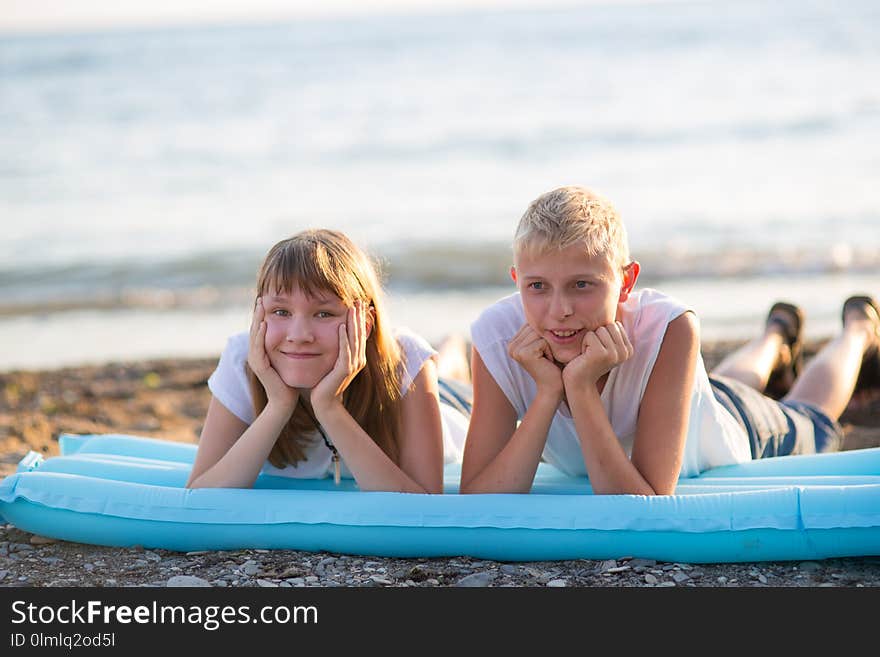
(662, 424)
(498, 456)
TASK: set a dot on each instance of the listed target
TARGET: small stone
(265, 583)
(432, 581)
(650, 579)
(762, 579)
(476, 579)
(381, 580)
(311, 579)
(619, 569)
(557, 583)
(36, 539)
(3, 574)
(680, 577)
(722, 579)
(196, 553)
(509, 569)
(666, 583)
(250, 568)
(186, 581)
(605, 566)
(642, 563)
(109, 582)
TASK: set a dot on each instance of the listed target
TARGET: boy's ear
(630, 276)
(513, 272)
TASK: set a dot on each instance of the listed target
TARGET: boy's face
(567, 293)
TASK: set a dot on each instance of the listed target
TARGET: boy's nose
(560, 307)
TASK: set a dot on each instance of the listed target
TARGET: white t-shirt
(714, 437)
(229, 385)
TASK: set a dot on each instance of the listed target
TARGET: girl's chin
(302, 380)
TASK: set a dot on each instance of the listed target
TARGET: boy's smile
(566, 293)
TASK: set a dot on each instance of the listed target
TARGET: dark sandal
(869, 373)
(778, 382)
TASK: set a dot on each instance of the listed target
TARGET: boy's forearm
(610, 470)
(513, 469)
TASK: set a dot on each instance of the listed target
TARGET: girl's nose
(299, 330)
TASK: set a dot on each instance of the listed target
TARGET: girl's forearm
(610, 470)
(241, 464)
(370, 466)
(513, 469)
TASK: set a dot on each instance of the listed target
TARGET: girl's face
(302, 335)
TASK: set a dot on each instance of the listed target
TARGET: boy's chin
(564, 356)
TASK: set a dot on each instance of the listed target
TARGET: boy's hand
(531, 351)
(352, 359)
(277, 392)
(601, 350)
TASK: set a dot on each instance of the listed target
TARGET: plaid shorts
(456, 394)
(777, 428)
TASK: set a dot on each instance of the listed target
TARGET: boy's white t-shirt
(714, 437)
(229, 385)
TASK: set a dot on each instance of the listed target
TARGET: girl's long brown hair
(327, 261)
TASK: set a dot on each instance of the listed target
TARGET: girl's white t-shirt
(714, 437)
(229, 385)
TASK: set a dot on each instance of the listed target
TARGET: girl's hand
(531, 351)
(278, 393)
(352, 359)
(601, 350)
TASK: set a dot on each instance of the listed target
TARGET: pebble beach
(168, 399)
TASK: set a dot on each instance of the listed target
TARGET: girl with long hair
(320, 385)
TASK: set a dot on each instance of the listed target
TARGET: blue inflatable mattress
(121, 490)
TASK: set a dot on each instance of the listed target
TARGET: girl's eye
(582, 284)
(537, 285)
(323, 314)
(280, 312)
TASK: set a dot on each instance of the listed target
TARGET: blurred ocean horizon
(144, 173)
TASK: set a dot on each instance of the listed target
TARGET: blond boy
(581, 370)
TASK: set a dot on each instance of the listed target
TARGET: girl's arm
(421, 438)
(231, 453)
(500, 457)
(662, 425)
(421, 441)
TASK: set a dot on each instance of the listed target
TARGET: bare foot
(453, 359)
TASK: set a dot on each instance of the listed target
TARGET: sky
(63, 15)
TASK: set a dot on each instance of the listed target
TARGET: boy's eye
(537, 285)
(582, 284)
(324, 314)
(280, 312)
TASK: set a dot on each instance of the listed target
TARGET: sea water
(144, 173)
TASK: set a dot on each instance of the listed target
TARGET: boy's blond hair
(573, 215)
